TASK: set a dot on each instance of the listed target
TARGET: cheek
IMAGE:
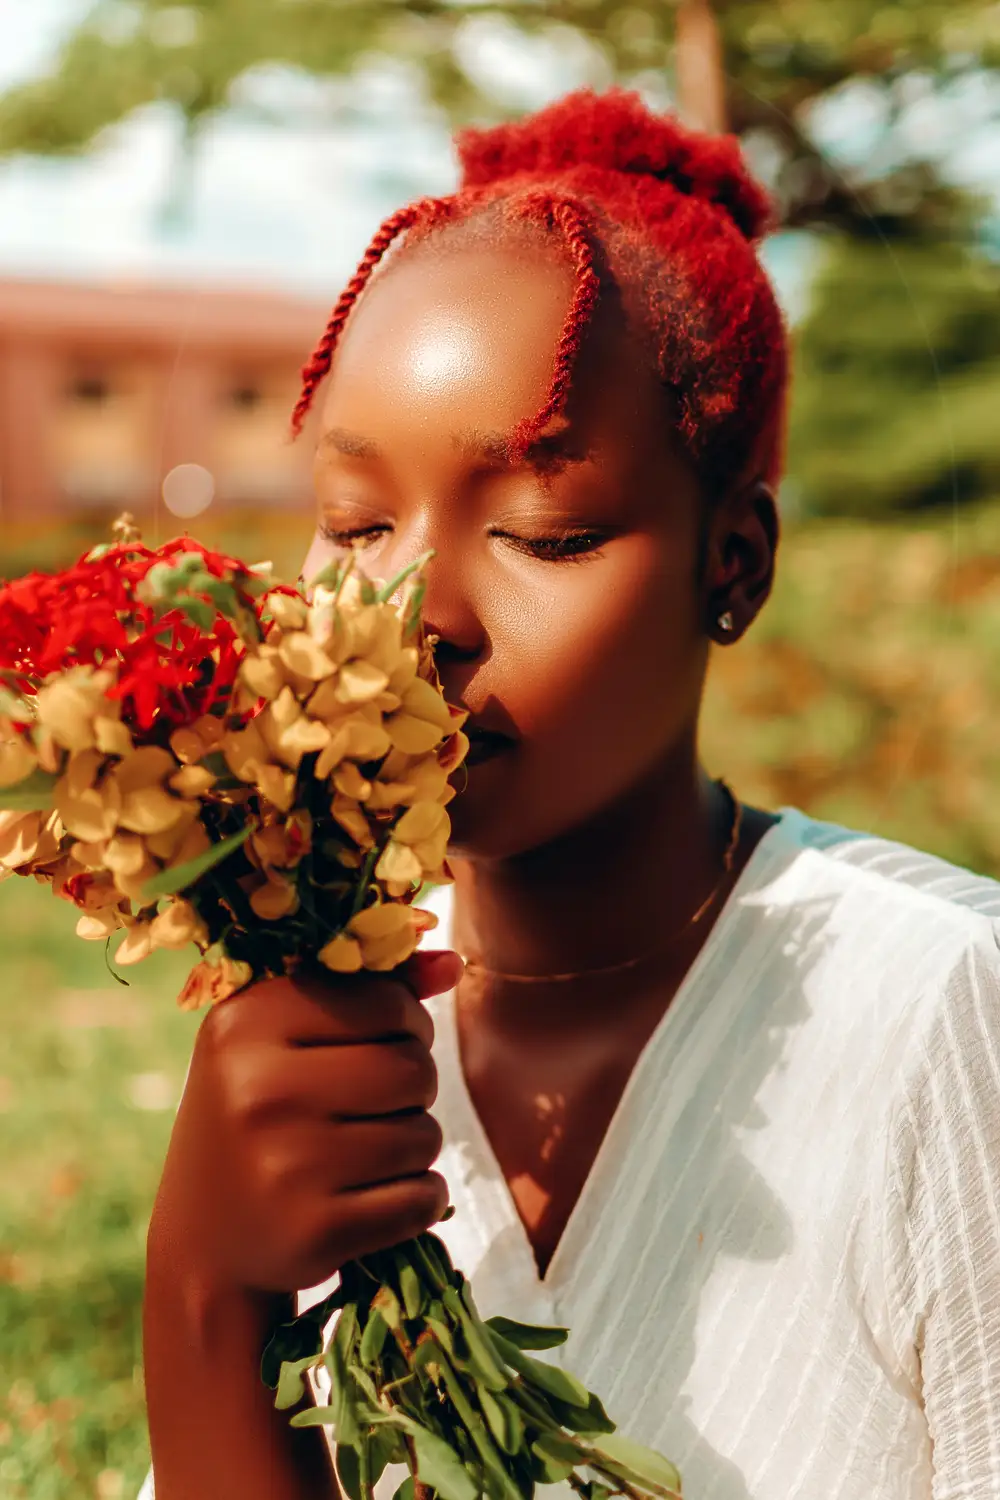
(610, 647)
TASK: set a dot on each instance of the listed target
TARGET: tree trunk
(701, 82)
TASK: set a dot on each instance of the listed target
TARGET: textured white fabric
(784, 1269)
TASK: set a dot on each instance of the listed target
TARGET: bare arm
(213, 1429)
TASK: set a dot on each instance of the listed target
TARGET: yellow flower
(90, 856)
(360, 682)
(387, 935)
(17, 760)
(287, 612)
(20, 837)
(416, 849)
(111, 736)
(245, 751)
(94, 891)
(125, 854)
(399, 868)
(303, 655)
(282, 845)
(358, 737)
(146, 805)
(348, 814)
(177, 925)
(261, 672)
(349, 781)
(137, 943)
(70, 702)
(191, 781)
(87, 800)
(275, 899)
(421, 722)
(186, 840)
(208, 982)
(342, 954)
(277, 786)
(193, 742)
(98, 926)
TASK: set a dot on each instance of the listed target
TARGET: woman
(719, 1088)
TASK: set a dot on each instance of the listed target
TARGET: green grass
(85, 1059)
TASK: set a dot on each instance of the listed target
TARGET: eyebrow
(351, 444)
(494, 446)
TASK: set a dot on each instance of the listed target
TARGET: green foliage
(897, 380)
(776, 59)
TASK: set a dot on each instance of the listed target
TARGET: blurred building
(123, 396)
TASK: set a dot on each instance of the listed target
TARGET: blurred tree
(897, 379)
(777, 58)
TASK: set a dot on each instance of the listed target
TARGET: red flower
(168, 668)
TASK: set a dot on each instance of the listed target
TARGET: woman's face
(564, 587)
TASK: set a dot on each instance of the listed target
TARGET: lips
(486, 744)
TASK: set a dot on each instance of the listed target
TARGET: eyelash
(565, 547)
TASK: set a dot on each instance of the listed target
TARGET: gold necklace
(728, 858)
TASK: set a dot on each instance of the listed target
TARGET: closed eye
(565, 546)
(351, 536)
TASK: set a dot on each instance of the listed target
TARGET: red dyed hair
(674, 217)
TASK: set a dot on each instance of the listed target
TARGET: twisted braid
(318, 363)
(569, 218)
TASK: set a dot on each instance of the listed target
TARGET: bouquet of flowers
(193, 754)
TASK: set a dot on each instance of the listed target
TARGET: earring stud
(725, 622)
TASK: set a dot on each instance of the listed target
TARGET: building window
(246, 396)
(90, 389)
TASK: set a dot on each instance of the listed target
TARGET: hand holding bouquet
(191, 754)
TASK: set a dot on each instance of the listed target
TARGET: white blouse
(784, 1269)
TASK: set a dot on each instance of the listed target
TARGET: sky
(292, 207)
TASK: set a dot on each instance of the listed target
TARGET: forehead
(476, 328)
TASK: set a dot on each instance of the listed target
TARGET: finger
(432, 972)
(373, 1152)
(391, 1213)
(315, 1009)
(351, 1081)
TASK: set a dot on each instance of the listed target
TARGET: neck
(549, 911)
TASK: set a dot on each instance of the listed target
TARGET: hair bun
(617, 132)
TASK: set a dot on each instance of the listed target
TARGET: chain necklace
(728, 858)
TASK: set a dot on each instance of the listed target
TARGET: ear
(740, 551)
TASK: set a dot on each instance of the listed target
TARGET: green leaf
(528, 1335)
(349, 1470)
(589, 1419)
(33, 794)
(558, 1383)
(556, 1446)
(300, 1339)
(373, 1338)
(549, 1470)
(409, 1285)
(407, 1490)
(179, 877)
(478, 1339)
(291, 1387)
(314, 1416)
(640, 1464)
(343, 1399)
(504, 1420)
(387, 590)
(439, 1466)
(198, 611)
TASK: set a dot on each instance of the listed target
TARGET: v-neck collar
(572, 1242)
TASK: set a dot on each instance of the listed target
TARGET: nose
(450, 612)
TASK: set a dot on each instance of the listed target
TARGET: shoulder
(898, 947)
(904, 895)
